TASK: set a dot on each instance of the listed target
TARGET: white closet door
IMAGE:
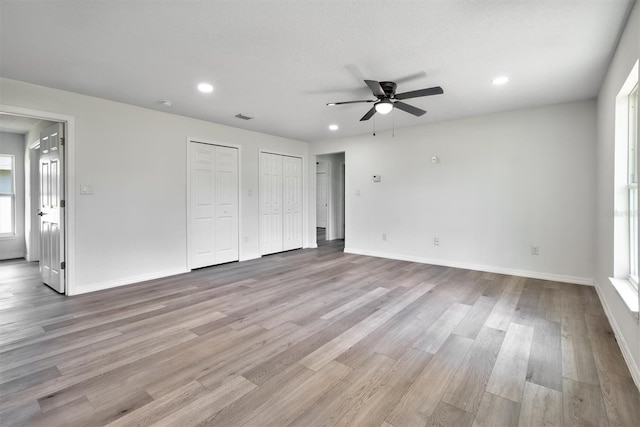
(203, 206)
(226, 199)
(292, 202)
(213, 221)
(271, 203)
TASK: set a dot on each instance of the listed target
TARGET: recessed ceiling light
(166, 103)
(205, 88)
(500, 80)
(333, 127)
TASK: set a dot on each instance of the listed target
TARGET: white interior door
(270, 203)
(51, 210)
(226, 205)
(213, 202)
(292, 202)
(202, 213)
(321, 199)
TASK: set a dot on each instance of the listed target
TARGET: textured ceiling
(282, 61)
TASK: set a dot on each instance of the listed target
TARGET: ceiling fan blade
(437, 90)
(409, 108)
(375, 87)
(369, 114)
(410, 77)
(348, 102)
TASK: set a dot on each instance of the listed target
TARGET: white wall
(13, 144)
(504, 182)
(626, 328)
(134, 226)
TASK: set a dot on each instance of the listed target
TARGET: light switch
(377, 178)
(86, 189)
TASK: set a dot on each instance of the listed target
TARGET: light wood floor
(312, 337)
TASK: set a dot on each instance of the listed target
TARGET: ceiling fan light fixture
(384, 106)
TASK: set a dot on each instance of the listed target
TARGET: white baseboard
(479, 267)
(93, 287)
(12, 255)
(622, 343)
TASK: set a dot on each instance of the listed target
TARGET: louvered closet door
(213, 218)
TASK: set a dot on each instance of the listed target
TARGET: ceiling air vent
(243, 117)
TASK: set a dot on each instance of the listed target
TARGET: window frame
(11, 196)
(632, 185)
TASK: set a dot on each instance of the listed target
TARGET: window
(625, 214)
(7, 196)
(632, 185)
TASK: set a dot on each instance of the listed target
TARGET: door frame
(69, 174)
(189, 140)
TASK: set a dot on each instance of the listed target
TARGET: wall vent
(243, 117)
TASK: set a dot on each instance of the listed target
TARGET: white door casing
(51, 210)
(213, 203)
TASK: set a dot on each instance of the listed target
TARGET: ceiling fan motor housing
(389, 89)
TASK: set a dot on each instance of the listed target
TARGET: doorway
(330, 197)
(45, 236)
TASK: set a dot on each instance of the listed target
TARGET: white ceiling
(281, 61)
(17, 124)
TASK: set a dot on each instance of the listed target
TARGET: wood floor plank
(416, 406)
(447, 415)
(545, 359)
(381, 400)
(468, 385)
(356, 303)
(338, 345)
(282, 411)
(583, 405)
(502, 312)
(438, 333)
(348, 395)
(472, 323)
(495, 411)
(203, 409)
(606, 350)
(162, 407)
(541, 406)
(621, 399)
(510, 370)
(578, 362)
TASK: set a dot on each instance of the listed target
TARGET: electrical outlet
(384, 236)
(535, 250)
(436, 241)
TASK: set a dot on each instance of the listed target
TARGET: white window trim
(12, 234)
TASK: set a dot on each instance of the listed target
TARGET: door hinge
(61, 141)
(63, 204)
(63, 265)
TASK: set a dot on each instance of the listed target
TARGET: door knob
(41, 213)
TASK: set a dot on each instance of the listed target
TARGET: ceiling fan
(388, 98)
